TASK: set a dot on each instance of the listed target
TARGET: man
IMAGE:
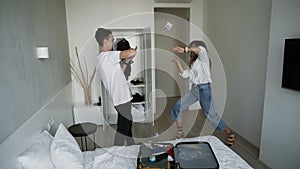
(113, 79)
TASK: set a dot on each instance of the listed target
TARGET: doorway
(167, 79)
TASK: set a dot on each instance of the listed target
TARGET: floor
(195, 124)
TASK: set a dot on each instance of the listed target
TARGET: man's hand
(178, 49)
(127, 53)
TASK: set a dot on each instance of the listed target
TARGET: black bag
(192, 155)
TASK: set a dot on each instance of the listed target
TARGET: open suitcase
(186, 155)
(192, 155)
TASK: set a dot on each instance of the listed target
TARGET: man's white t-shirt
(112, 76)
(200, 71)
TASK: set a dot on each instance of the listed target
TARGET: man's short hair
(102, 34)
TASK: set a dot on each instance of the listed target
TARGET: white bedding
(125, 157)
(116, 157)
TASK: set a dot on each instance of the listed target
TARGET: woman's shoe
(231, 139)
(179, 135)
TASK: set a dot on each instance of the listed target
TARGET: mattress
(120, 157)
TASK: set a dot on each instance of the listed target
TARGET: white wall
(280, 130)
(27, 83)
(239, 31)
(59, 108)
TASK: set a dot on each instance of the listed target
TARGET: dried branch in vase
(81, 75)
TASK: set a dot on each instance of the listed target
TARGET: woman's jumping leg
(207, 105)
(182, 104)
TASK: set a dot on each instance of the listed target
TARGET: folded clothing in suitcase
(192, 155)
(187, 155)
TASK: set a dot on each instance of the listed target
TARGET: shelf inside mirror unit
(135, 103)
(137, 86)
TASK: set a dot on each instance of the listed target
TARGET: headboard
(58, 107)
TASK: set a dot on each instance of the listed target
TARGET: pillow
(65, 152)
(37, 156)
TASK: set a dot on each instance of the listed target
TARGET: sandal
(231, 139)
(180, 133)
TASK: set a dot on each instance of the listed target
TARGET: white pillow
(65, 152)
(37, 156)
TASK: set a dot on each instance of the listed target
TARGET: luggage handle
(192, 142)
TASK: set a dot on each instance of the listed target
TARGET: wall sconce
(42, 52)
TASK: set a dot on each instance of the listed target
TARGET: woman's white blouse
(200, 71)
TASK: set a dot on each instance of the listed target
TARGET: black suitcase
(192, 155)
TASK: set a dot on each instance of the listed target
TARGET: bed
(105, 158)
(63, 152)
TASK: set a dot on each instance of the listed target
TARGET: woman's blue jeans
(201, 92)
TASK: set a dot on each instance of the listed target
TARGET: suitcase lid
(191, 155)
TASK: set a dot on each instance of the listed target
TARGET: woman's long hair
(194, 55)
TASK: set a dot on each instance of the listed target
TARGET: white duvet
(125, 157)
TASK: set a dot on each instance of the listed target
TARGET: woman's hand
(129, 59)
(180, 68)
(178, 49)
(176, 61)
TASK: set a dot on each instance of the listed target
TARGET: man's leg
(124, 125)
(119, 137)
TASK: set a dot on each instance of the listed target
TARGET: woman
(122, 45)
(200, 78)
